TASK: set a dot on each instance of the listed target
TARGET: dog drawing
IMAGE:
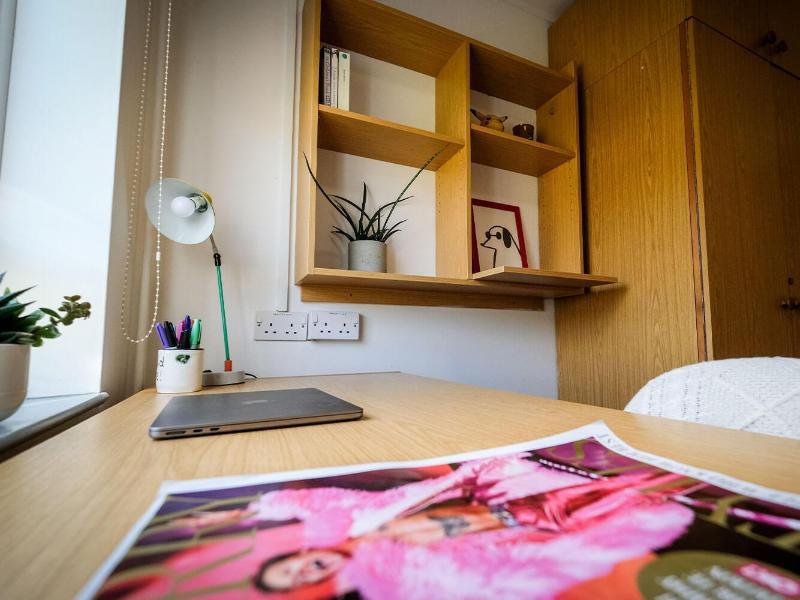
(501, 240)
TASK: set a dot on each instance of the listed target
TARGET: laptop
(204, 414)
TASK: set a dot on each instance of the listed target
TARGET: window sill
(37, 415)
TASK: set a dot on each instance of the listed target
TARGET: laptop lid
(200, 414)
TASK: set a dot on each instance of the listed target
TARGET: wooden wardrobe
(691, 129)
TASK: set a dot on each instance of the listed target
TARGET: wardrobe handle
(779, 48)
(768, 39)
(787, 303)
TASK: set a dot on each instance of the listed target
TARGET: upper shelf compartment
(361, 135)
(505, 151)
(387, 34)
(518, 80)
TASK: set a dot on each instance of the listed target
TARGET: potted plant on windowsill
(368, 234)
(18, 332)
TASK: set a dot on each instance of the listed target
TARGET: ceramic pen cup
(179, 371)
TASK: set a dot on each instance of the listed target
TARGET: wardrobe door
(744, 223)
(787, 106)
(610, 343)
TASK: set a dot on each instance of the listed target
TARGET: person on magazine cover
(499, 527)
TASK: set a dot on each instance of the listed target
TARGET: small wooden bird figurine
(490, 121)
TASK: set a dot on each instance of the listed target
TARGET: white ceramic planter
(14, 362)
(366, 255)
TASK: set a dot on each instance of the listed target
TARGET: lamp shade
(187, 216)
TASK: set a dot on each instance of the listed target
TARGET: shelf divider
(361, 135)
(506, 151)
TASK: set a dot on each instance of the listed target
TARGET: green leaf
(388, 235)
(363, 209)
(385, 235)
(12, 310)
(72, 298)
(2, 275)
(384, 207)
(8, 297)
(338, 231)
(50, 312)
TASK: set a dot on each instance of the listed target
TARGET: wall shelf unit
(458, 64)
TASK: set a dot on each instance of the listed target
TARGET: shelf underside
(503, 75)
(506, 151)
(539, 277)
(362, 135)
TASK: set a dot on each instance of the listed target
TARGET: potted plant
(18, 332)
(368, 233)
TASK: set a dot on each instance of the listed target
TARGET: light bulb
(183, 206)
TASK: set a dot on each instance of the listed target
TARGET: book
(325, 76)
(343, 81)
(579, 514)
(334, 77)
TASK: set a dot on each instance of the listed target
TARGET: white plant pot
(366, 255)
(14, 362)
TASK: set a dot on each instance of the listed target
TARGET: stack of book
(334, 84)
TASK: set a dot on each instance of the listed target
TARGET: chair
(751, 394)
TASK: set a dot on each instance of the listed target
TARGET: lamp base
(222, 378)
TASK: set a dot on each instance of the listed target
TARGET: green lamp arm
(218, 266)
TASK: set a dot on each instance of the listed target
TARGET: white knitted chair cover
(752, 394)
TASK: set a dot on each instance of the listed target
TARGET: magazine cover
(577, 515)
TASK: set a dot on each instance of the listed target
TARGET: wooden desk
(69, 501)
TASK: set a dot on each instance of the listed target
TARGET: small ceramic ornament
(490, 121)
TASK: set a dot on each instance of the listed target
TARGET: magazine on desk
(576, 515)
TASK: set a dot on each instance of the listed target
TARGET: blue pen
(162, 334)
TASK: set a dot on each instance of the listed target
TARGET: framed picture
(497, 238)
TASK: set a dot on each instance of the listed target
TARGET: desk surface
(69, 501)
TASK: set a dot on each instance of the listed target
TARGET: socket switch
(334, 326)
(276, 326)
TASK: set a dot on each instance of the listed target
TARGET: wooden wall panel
(611, 342)
(453, 179)
(740, 190)
(600, 35)
(560, 217)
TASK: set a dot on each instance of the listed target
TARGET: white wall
(228, 134)
(58, 174)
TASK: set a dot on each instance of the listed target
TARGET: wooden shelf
(399, 281)
(506, 151)
(538, 277)
(362, 135)
(513, 78)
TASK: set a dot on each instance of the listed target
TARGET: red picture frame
(517, 219)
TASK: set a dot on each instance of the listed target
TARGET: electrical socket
(333, 326)
(277, 326)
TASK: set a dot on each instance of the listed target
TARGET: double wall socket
(286, 326)
(333, 326)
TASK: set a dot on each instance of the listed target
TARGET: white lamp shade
(180, 222)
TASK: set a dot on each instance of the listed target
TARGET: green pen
(197, 333)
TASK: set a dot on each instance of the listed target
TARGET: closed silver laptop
(204, 414)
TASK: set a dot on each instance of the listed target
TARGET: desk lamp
(187, 217)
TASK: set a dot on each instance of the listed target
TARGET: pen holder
(179, 371)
